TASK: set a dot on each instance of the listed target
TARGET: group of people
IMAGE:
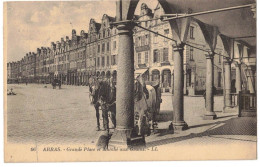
(103, 93)
(10, 92)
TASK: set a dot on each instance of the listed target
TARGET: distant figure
(214, 93)
(10, 92)
(26, 82)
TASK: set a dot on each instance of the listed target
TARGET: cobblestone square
(44, 115)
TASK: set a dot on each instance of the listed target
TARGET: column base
(180, 126)
(210, 116)
(124, 138)
(230, 109)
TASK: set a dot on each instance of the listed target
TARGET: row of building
(75, 59)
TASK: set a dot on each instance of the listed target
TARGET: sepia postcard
(130, 80)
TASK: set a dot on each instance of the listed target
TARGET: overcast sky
(34, 24)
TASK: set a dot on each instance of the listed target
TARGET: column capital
(237, 63)
(178, 47)
(209, 55)
(227, 61)
(125, 28)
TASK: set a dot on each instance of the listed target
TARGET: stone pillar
(178, 115)
(125, 86)
(193, 82)
(185, 82)
(161, 81)
(172, 82)
(238, 77)
(227, 66)
(251, 80)
(210, 114)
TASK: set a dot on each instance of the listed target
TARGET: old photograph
(130, 80)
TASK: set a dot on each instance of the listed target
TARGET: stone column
(161, 79)
(250, 79)
(178, 115)
(125, 86)
(172, 82)
(238, 77)
(193, 81)
(227, 65)
(210, 114)
(185, 81)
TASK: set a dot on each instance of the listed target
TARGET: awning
(232, 23)
(140, 71)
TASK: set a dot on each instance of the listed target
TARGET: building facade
(95, 53)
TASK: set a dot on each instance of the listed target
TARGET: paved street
(44, 115)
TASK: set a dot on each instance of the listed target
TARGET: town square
(145, 75)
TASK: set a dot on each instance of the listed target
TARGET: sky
(31, 25)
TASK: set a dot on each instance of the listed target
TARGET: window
(103, 61)
(155, 38)
(107, 60)
(139, 41)
(104, 33)
(191, 54)
(103, 47)
(146, 40)
(108, 33)
(191, 32)
(98, 48)
(165, 55)
(142, 40)
(139, 58)
(166, 33)
(108, 46)
(219, 59)
(98, 61)
(146, 24)
(219, 79)
(114, 44)
(113, 60)
(146, 57)
(155, 56)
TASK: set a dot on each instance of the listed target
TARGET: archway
(166, 79)
(102, 75)
(98, 73)
(155, 75)
(114, 75)
(108, 74)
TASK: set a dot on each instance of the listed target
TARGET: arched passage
(155, 75)
(108, 74)
(102, 74)
(98, 73)
(166, 79)
(114, 75)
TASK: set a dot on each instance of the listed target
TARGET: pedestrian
(204, 95)
(214, 92)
